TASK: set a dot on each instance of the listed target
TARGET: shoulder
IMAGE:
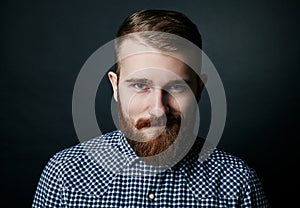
(75, 167)
(239, 180)
(81, 159)
(219, 175)
(228, 162)
(224, 165)
(81, 150)
(89, 158)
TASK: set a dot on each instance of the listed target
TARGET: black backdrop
(253, 44)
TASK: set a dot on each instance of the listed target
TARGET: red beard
(141, 145)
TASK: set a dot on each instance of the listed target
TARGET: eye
(177, 88)
(140, 86)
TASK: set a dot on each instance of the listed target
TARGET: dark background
(253, 44)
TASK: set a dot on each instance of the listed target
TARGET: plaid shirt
(101, 173)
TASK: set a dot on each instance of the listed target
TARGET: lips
(153, 122)
(161, 122)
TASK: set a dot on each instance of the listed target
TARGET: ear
(201, 85)
(113, 78)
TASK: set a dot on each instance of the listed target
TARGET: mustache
(167, 121)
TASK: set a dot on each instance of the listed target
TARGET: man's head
(161, 21)
(155, 90)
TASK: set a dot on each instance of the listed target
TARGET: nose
(158, 103)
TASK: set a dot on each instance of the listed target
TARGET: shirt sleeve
(49, 189)
(254, 195)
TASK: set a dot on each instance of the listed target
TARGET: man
(153, 160)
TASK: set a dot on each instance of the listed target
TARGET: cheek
(136, 106)
(182, 104)
(132, 105)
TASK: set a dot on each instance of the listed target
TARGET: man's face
(154, 94)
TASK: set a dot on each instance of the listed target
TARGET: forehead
(154, 66)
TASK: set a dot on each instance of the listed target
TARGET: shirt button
(151, 196)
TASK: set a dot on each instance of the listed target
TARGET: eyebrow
(150, 82)
(179, 81)
(136, 80)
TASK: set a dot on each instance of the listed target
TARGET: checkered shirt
(103, 172)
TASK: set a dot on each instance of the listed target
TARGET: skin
(154, 85)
